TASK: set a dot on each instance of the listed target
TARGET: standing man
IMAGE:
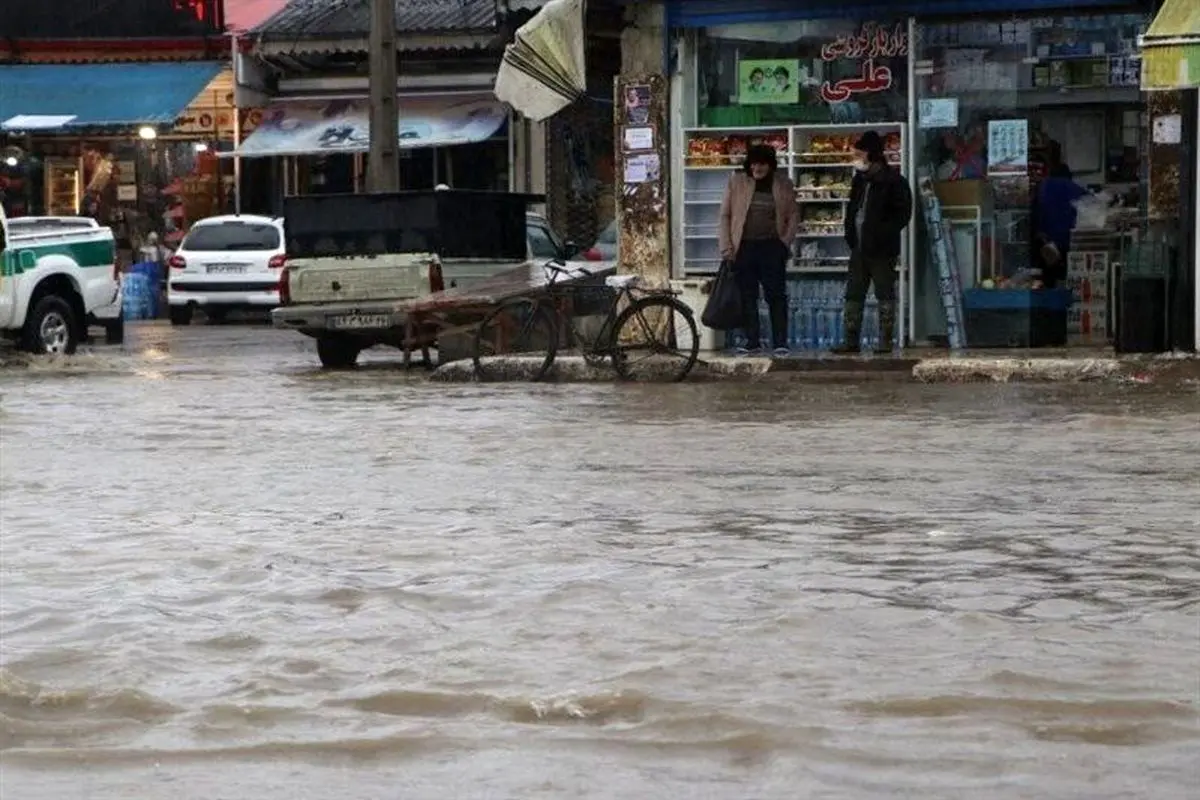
(879, 209)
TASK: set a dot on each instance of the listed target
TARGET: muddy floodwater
(225, 574)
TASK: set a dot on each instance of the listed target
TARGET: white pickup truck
(56, 276)
(351, 259)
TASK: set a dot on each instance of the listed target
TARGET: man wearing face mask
(880, 208)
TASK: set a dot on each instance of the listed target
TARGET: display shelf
(63, 187)
(818, 159)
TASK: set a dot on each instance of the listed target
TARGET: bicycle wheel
(655, 339)
(517, 327)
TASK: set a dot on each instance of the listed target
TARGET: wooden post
(383, 166)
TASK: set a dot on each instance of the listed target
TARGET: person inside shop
(880, 208)
(758, 224)
(1054, 218)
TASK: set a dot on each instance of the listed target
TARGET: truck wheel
(337, 352)
(114, 332)
(180, 315)
(51, 328)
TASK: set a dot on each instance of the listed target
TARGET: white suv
(226, 263)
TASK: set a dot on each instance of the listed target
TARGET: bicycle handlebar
(560, 268)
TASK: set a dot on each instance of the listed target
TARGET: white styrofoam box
(694, 294)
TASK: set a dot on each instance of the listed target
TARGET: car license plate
(226, 269)
(360, 321)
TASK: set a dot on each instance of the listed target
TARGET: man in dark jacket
(880, 208)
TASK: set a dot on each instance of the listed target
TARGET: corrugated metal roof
(326, 19)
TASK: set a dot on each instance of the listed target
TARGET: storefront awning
(51, 97)
(1171, 47)
(325, 127)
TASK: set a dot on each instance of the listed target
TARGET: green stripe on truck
(84, 254)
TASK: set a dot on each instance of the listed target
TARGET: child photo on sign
(637, 104)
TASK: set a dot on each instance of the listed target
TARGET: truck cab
(53, 280)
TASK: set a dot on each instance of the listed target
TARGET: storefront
(974, 104)
(132, 145)
(1171, 74)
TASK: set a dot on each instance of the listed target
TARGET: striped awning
(1171, 47)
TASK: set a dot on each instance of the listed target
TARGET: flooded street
(225, 574)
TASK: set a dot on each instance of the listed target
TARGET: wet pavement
(226, 574)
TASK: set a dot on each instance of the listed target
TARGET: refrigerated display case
(64, 187)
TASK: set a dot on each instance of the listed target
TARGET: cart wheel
(517, 327)
(655, 339)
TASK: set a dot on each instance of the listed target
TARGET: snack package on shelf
(821, 221)
(830, 185)
(729, 150)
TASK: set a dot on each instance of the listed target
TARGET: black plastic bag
(723, 310)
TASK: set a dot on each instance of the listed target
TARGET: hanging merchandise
(543, 70)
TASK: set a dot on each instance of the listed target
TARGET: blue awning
(69, 96)
(706, 13)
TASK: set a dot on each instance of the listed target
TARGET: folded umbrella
(544, 68)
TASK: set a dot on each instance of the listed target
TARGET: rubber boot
(852, 332)
(887, 329)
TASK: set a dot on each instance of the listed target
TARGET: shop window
(816, 72)
(1003, 104)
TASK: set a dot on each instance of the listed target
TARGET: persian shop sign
(872, 42)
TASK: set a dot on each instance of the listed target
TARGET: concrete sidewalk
(1055, 366)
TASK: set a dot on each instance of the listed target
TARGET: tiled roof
(327, 19)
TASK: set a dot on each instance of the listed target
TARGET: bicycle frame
(602, 345)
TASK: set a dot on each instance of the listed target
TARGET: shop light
(201, 147)
(147, 132)
(11, 161)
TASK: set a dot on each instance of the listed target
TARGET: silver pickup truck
(353, 259)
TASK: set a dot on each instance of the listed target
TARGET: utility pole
(383, 161)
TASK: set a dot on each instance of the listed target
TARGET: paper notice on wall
(1008, 147)
(938, 112)
(1168, 129)
(639, 139)
(643, 168)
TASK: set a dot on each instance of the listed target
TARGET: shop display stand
(941, 246)
(818, 159)
(63, 187)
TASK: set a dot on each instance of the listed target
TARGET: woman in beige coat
(757, 228)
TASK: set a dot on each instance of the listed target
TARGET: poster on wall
(637, 104)
(1008, 147)
(937, 112)
(769, 81)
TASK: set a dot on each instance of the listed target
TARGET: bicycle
(647, 313)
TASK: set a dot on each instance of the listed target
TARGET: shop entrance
(1033, 130)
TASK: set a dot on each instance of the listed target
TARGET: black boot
(887, 329)
(852, 330)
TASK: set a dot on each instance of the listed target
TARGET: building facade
(307, 64)
(118, 111)
(978, 101)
